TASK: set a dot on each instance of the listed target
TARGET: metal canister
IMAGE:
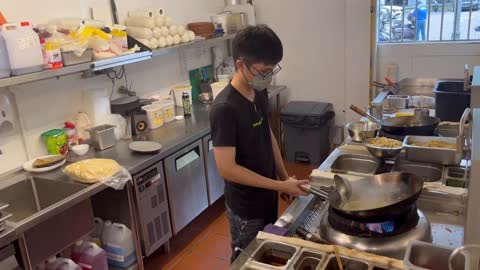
(187, 109)
(376, 110)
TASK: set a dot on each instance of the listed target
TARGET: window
(428, 20)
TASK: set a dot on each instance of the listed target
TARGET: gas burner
(374, 228)
(393, 244)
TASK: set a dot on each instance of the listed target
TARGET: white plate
(28, 166)
(145, 146)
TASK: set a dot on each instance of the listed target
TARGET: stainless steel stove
(392, 244)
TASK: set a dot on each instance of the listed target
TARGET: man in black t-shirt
(246, 152)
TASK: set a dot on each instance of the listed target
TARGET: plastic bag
(107, 171)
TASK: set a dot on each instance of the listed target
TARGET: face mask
(260, 83)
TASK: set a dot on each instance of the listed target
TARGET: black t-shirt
(237, 122)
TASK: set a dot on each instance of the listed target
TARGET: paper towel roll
(139, 21)
(150, 12)
(153, 43)
(141, 13)
(140, 32)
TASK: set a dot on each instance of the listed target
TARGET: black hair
(257, 44)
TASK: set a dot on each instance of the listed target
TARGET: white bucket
(154, 115)
(178, 91)
(217, 87)
(168, 109)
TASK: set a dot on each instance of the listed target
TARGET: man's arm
(280, 167)
(231, 171)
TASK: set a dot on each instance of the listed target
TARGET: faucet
(466, 79)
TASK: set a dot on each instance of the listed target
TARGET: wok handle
(364, 114)
(315, 191)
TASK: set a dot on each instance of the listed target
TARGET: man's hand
(292, 187)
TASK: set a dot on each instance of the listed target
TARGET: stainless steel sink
(429, 172)
(31, 195)
(353, 163)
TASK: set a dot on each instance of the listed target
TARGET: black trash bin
(306, 128)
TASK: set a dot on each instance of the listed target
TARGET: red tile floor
(205, 243)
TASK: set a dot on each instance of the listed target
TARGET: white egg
(172, 31)
(164, 31)
(162, 42)
(185, 38)
(177, 39)
(180, 30)
(169, 40)
(168, 21)
(153, 43)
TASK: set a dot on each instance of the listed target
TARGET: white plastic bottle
(24, 49)
(118, 243)
(97, 233)
(67, 264)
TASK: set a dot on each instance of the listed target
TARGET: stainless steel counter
(173, 137)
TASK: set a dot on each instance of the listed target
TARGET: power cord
(118, 75)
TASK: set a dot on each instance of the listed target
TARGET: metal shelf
(198, 43)
(107, 63)
(46, 74)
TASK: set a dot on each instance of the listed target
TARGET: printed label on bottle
(114, 253)
(26, 43)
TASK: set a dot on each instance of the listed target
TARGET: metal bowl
(359, 131)
(382, 152)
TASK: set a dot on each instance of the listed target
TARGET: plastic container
(24, 49)
(71, 133)
(118, 243)
(154, 115)
(306, 126)
(72, 58)
(168, 107)
(83, 124)
(4, 62)
(92, 257)
(97, 233)
(178, 91)
(217, 87)
(56, 142)
(67, 264)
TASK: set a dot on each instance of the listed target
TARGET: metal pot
(359, 131)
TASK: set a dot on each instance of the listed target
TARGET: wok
(403, 126)
(376, 198)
